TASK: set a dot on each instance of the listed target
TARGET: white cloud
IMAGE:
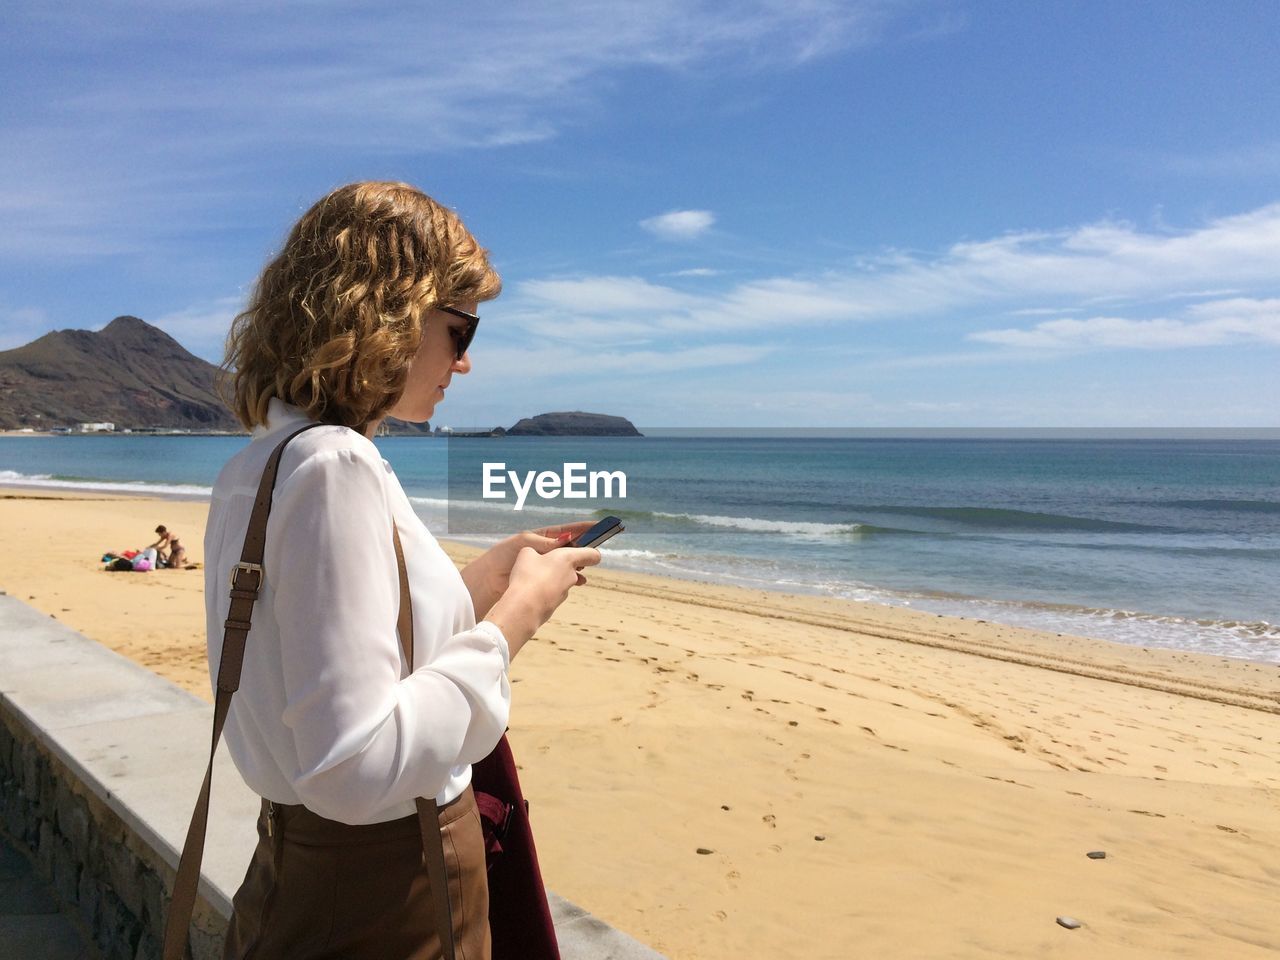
(606, 294)
(1019, 274)
(1239, 320)
(680, 224)
(500, 363)
(198, 100)
(1044, 311)
(1254, 160)
(610, 309)
(21, 325)
(202, 328)
(696, 272)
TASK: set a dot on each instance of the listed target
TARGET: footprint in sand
(770, 821)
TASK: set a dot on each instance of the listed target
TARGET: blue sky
(791, 213)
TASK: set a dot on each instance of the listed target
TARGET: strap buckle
(243, 567)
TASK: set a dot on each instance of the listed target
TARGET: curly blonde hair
(338, 313)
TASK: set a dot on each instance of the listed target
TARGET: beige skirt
(318, 889)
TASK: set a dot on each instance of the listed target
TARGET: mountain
(574, 424)
(129, 373)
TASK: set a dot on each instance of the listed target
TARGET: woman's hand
(488, 575)
(538, 583)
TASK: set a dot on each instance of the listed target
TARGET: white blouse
(325, 715)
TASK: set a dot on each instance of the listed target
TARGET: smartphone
(599, 533)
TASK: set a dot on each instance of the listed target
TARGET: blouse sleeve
(366, 738)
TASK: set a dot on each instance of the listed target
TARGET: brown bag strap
(428, 811)
(246, 581)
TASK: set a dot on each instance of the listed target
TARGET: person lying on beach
(147, 559)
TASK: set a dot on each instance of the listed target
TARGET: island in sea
(561, 424)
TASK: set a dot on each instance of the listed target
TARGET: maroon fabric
(519, 916)
(495, 816)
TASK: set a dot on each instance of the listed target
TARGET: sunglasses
(462, 338)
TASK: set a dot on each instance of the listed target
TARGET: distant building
(97, 428)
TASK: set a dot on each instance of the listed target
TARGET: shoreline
(810, 609)
(1058, 619)
(74, 491)
(865, 780)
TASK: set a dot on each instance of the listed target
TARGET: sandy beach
(726, 773)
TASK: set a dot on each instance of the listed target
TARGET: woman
(177, 558)
(161, 544)
(172, 554)
(367, 312)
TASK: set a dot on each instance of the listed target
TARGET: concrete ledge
(100, 763)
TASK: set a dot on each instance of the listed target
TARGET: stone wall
(97, 865)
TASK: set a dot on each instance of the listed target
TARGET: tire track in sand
(1262, 700)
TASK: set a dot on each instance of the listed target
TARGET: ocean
(1159, 542)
